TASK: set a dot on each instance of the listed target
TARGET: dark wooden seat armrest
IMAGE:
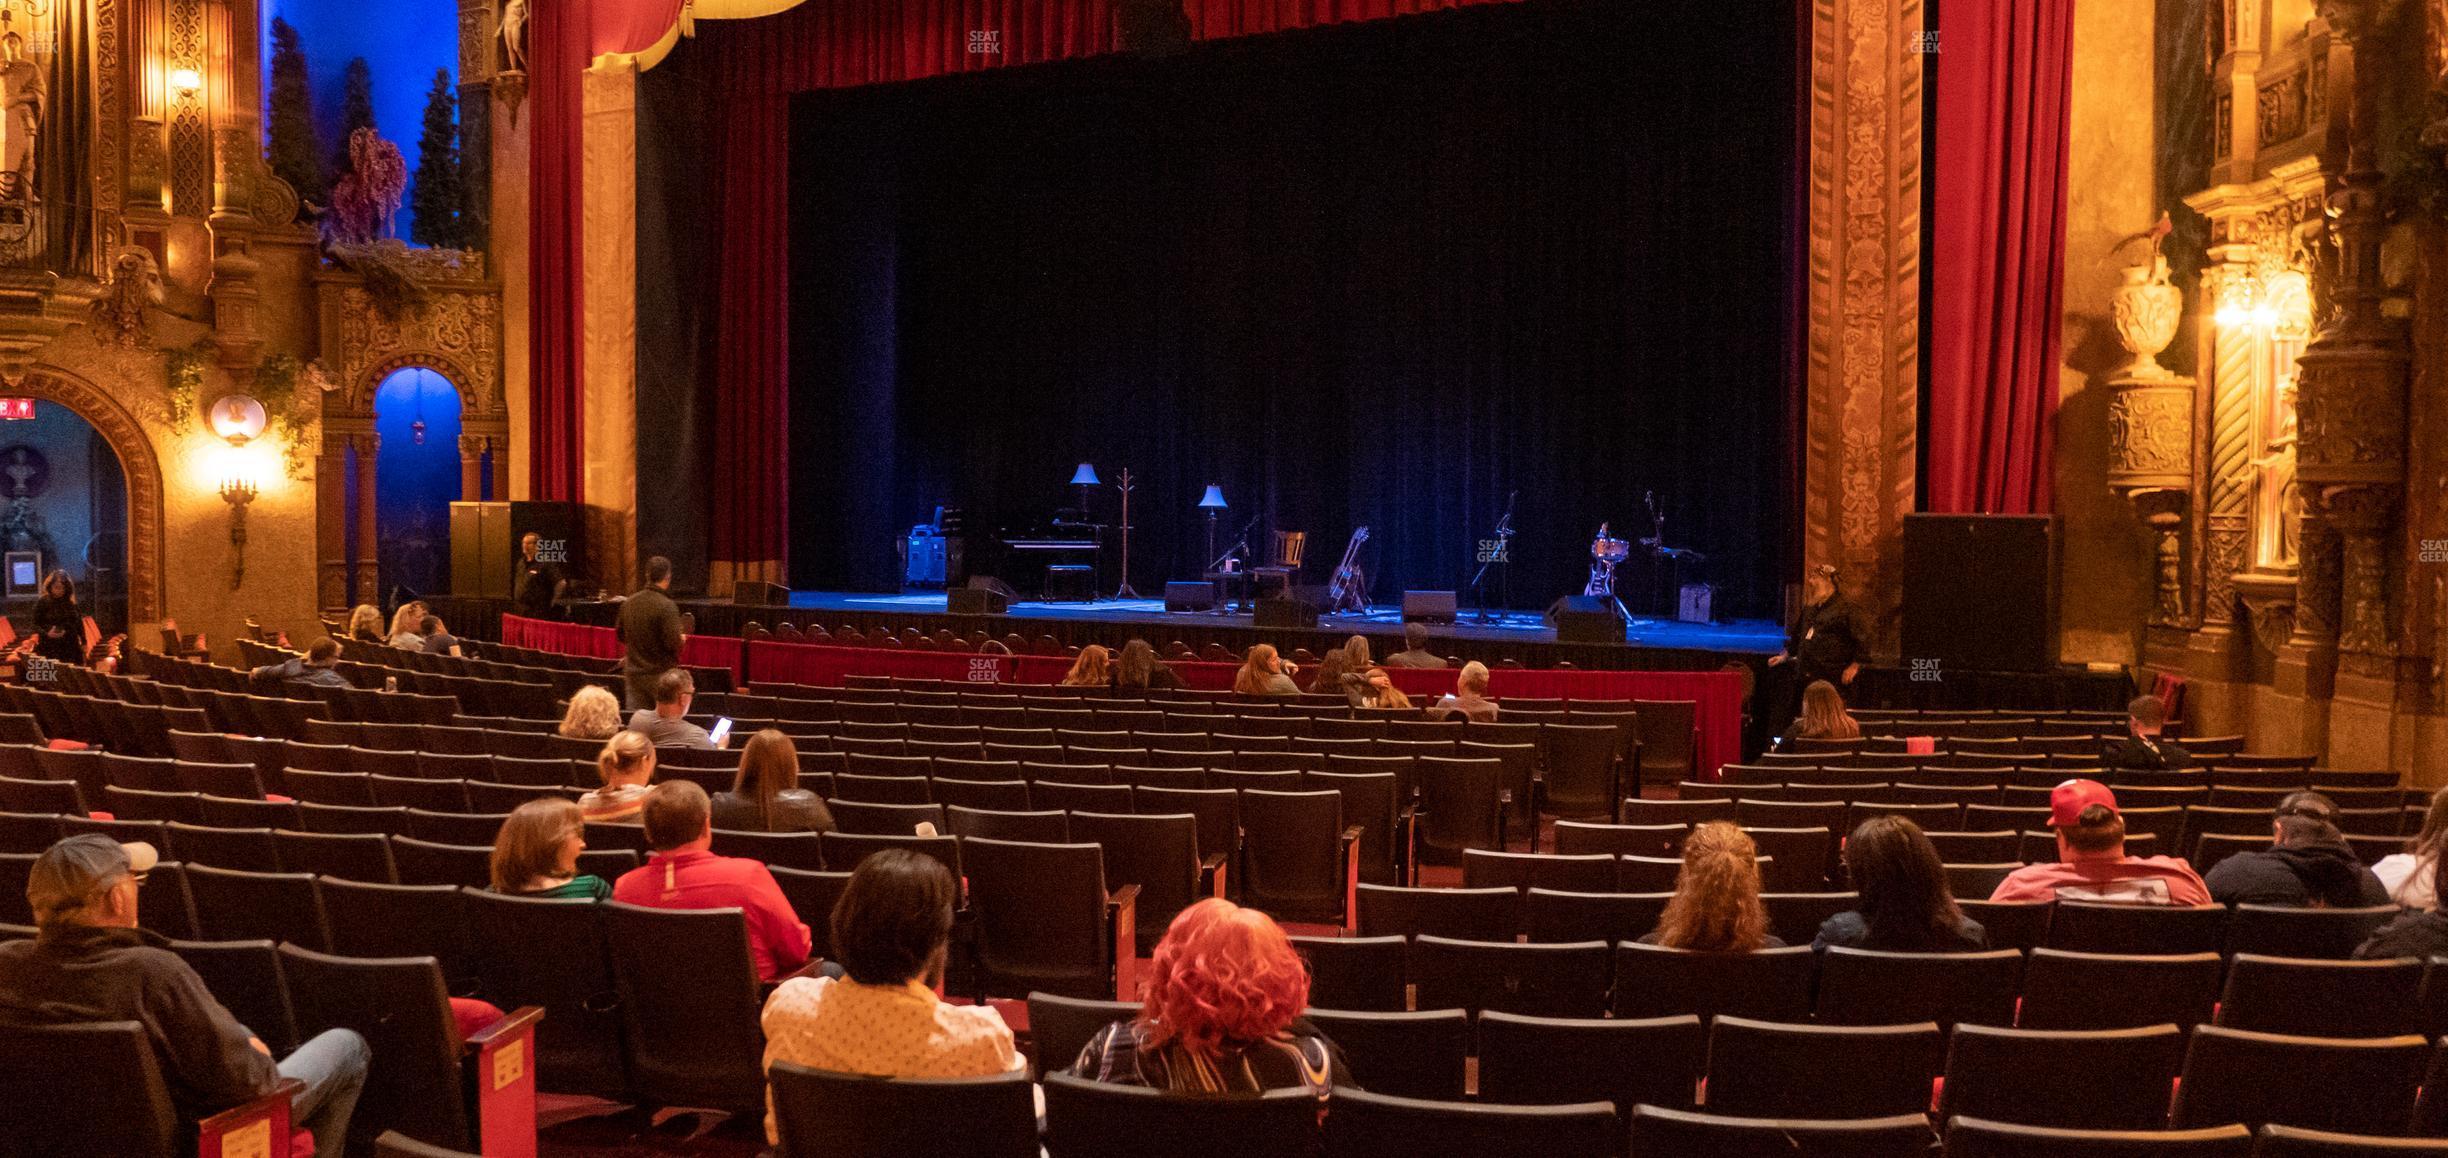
(1126, 895)
(511, 1023)
(1351, 834)
(283, 1092)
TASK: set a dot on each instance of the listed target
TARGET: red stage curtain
(836, 44)
(562, 37)
(1997, 247)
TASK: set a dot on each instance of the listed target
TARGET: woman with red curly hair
(1222, 1014)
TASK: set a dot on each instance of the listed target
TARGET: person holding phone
(666, 724)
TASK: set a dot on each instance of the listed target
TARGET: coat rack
(1122, 484)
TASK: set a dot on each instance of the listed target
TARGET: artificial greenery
(183, 379)
(276, 387)
(294, 150)
(439, 201)
(356, 112)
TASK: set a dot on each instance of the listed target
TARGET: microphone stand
(1241, 548)
(1502, 554)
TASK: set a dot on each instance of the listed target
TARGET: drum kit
(1608, 552)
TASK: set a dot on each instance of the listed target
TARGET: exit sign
(15, 409)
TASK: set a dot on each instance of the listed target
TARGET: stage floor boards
(1742, 636)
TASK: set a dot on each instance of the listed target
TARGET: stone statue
(514, 34)
(23, 102)
(2278, 456)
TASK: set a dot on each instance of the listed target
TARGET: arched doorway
(63, 506)
(417, 475)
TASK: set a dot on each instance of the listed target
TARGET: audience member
(89, 962)
(1823, 715)
(685, 874)
(2407, 874)
(539, 581)
(1222, 1015)
(1469, 696)
(2308, 863)
(891, 929)
(316, 668)
(1415, 651)
(1093, 669)
(666, 724)
(2418, 933)
(1373, 689)
(593, 714)
(649, 631)
(1265, 673)
(1716, 904)
(404, 622)
(1138, 670)
(58, 621)
(627, 764)
(1327, 676)
(365, 624)
(765, 796)
(536, 853)
(1906, 906)
(2091, 863)
(438, 639)
(2141, 749)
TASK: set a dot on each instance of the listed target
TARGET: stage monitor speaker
(984, 595)
(1190, 595)
(1428, 606)
(1979, 594)
(1586, 619)
(1290, 612)
(755, 593)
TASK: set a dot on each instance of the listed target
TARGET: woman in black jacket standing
(58, 621)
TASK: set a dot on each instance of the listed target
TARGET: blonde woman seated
(627, 765)
(404, 624)
(594, 713)
(2408, 874)
(1469, 698)
(1716, 906)
(1823, 715)
(365, 624)
(536, 854)
(766, 796)
(1093, 668)
(1265, 673)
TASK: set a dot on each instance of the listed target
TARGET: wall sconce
(237, 490)
(186, 82)
(237, 418)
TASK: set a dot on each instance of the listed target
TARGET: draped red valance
(757, 64)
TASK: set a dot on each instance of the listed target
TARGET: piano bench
(1070, 583)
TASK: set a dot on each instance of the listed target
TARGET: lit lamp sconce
(186, 82)
(237, 419)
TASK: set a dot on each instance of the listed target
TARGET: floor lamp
(1213, 503)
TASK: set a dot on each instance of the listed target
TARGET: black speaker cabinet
(481, 549)
(1286, 613)
(1189, 595)
(1979, 594)
(1586, 619)
(983, 595)
(1428, 606)
(755, 593)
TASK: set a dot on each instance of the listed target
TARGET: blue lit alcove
(416, 478)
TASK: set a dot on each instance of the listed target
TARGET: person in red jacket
(684, 874)
(2091, 863)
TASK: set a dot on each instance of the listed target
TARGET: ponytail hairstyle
(627, 754)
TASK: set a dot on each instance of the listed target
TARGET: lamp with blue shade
(1085, 476)
(1211, 502)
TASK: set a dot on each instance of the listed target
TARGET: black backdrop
(1382, 273)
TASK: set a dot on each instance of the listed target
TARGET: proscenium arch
(137, 462)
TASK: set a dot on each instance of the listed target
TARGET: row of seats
(1751, 1067)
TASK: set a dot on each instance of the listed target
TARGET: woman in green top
(536, 853)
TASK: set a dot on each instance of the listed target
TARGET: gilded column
(1862, 390)
(368, 577)
(2228, 518)
(471, 467)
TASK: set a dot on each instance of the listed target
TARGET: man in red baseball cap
(2091, 863)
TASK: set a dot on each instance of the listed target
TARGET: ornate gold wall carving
(1865, 200)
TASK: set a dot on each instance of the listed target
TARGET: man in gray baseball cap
(89, 962)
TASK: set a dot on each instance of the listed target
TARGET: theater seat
(1087, 1119)
(97, 1089)
(1362, 1124)
(1664, 1133)
(1977, 1138)
(819, 1112)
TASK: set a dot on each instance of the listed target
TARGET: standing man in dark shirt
(539, 581)
(1825, 643)
(649, 629)
(89, 962)
(2142, 749)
